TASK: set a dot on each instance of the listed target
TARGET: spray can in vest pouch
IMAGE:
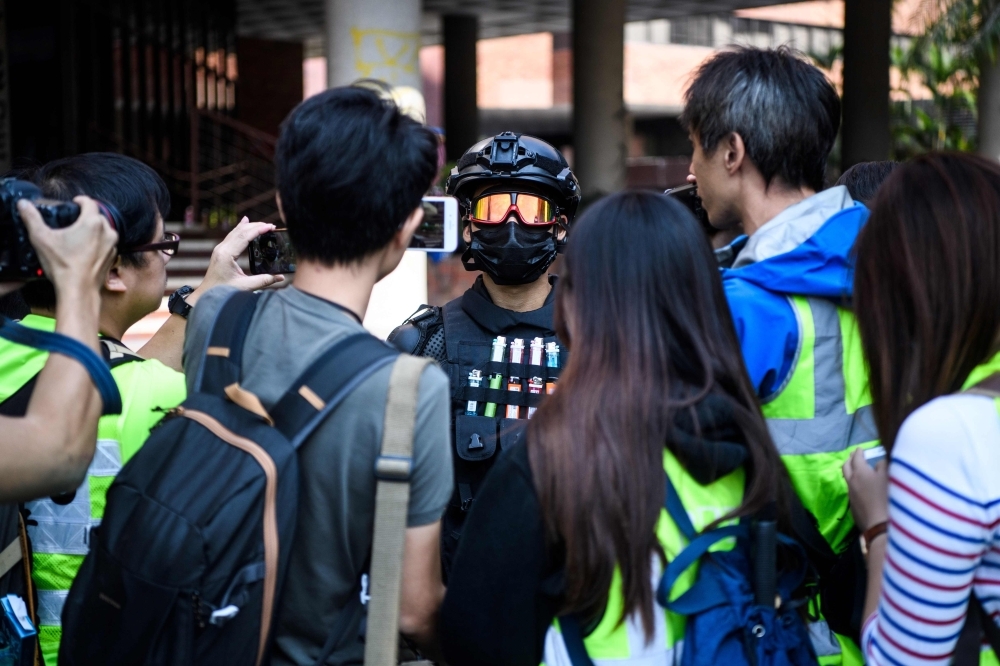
(475, 381)
(551, 361)
(496, 379)
(535, 381)
(514, 383)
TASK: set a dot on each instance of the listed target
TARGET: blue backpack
(726, 623)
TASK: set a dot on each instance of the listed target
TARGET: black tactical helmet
(510, 158)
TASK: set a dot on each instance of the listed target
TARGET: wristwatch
(176, 303)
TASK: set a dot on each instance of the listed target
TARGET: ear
(402, 238)
(281, 212)
(114, 282)
(467, 233)
(562, 227)
(735, 153)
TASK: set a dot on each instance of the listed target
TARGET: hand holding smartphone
(273, 253)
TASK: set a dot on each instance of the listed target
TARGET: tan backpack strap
(989, 387)
(392, 499)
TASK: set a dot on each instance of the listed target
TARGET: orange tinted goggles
(496, 208)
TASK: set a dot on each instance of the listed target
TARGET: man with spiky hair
(763, 122)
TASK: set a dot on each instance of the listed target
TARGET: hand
(79, 255)
(223, 268)
(868, 490)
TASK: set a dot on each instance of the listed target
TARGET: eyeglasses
(167, 246)
(532, 210)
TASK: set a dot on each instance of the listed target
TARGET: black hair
(129, 185)
(784, 109)
(351, 167)
(640, 304)
(863, 179)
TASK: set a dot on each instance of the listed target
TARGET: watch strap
(872, 532)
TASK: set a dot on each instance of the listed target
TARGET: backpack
(730, 609)
(188, 564)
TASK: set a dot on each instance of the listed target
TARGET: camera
(18, 260)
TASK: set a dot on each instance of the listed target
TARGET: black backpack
(188, 563)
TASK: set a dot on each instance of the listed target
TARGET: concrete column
(867, 31)
(377, 39)
(461, 115)
(599, 148)
(380, 39)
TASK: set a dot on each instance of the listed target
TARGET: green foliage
(951, 75)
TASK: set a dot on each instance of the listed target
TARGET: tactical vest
(822, 412)
(460, 339)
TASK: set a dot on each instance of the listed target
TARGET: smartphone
(439, 230)
(272, 253)
(688, 195)
(874, 455)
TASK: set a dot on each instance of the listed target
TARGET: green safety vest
(615, 643)
(60, 539)
(817, 417)
(822, 412)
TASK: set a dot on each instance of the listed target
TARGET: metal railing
(232, 173)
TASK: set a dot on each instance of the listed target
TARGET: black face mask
(511, 253)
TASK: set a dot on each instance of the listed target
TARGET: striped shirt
(944, 510)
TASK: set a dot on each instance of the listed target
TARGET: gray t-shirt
(333, 537)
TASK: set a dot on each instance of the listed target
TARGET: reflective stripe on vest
(50, 605)
(62, 536)
(822, 411)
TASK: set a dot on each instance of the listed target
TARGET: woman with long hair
(927, 298)
(573, 521)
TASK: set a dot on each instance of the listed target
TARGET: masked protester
(517, 197)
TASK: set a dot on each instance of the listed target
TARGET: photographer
(131, 288)
(49, 448)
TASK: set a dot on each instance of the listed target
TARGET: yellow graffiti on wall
(389, 55)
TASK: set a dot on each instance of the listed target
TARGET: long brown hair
(927, 282)
(641, 306)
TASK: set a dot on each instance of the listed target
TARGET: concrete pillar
(599, 148)
(867, 31)
(461, 115)
(373, 39)
(380, 39)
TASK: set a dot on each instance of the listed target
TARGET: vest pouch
(511, 432)
(475, 437)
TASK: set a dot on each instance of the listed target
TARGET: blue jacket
(819, 235)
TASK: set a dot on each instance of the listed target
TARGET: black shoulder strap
(223, 353)
(327, 381)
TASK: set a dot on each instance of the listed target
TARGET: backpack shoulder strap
(326, 382)
(221, 359)
(392, 496)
